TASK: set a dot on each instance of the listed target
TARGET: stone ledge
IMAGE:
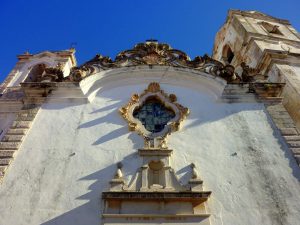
(7, 153)
(27, 117)
(197, 197)
(148, 216)
(296, 151)
(288, 131)
(292, 138)
(294, 144)
(21, 124)
(12, 138)
(5, 161)
(16, 131)
(9, 145)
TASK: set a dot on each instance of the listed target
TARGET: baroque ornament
(153, 53)
(154, 137)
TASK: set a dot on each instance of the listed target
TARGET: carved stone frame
(154, 140)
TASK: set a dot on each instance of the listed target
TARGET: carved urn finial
(194, 172)
(119, 173)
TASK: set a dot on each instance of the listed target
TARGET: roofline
(256, 14)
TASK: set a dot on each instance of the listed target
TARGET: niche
(156, 175)
(271, 28)
(227, 54)
(35, 73)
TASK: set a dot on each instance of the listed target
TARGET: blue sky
(108, 27)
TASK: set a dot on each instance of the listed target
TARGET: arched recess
(110, 79)
(35, 73)
(227, 54)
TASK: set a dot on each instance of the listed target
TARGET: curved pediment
(153, 53)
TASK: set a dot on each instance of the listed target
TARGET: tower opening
(227, 55)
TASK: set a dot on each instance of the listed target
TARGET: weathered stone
(294, 144)
(288, 131)
(9, 145)
(12, 138)
(296, 150)
(289, 125)
(21, 124)
(27, 117)
(7, 153)
(5, 161)
(30, 109)
(16, 131)
(2, 170)
(297, 157)
(292, 138)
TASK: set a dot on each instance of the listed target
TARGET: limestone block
(21, 124)
(5, 161)
(25, 117)
(2, 170)
(288, 131)
(12, 138)
(292, 138)
(7, 153)
(294, 144)
(32, 111)
(9, 145)
(296, 151)
(16, 131)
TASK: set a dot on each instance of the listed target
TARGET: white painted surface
(70, 155)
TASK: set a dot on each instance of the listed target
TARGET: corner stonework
(13, 138)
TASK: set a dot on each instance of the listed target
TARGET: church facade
(154, 137)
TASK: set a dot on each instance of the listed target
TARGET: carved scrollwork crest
(153, 53)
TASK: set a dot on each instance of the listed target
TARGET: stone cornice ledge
(196, 197)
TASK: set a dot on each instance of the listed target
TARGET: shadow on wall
(90, 212)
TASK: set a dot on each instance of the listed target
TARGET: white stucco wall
(70, 155)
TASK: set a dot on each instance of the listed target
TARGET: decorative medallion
(154, 115)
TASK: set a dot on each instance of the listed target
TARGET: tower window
(35, 73)
(227, 55)
(271, 28)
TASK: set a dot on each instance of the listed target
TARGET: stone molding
(155, 183)
(154, 140)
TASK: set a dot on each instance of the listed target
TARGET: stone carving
(194, 172)
(52, 74)
(154, 192)
(154, 140)
(49, 74)
(154, 53)
(119, 172)
(248, 73)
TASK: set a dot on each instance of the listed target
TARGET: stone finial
(194, 172)
(119, 173)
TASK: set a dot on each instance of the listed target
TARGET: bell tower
(267, 44)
